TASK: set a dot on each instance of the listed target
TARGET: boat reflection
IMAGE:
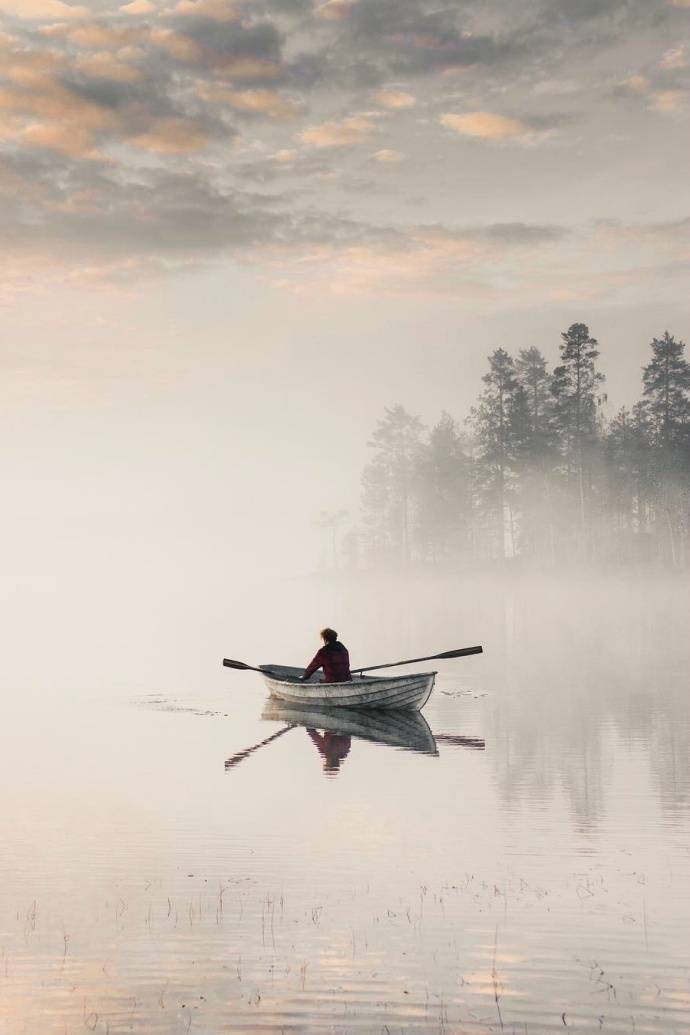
(331, 730)
(402, 729)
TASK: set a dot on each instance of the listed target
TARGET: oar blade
(460, 653)
(229, 663)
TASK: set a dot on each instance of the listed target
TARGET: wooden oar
(234, 759)
(229, 663)
(460, 653)
(240, 664)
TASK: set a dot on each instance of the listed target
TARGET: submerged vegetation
(539, 472)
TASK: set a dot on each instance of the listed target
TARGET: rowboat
(380, 692)
(402, 728)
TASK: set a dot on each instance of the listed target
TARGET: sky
(231, 233)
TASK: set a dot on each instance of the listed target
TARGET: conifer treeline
(538, 472)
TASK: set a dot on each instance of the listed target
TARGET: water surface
(518, 860)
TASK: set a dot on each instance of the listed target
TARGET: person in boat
(333, 658)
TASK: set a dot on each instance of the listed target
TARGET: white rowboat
(382, 692)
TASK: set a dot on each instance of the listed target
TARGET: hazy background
(233, 233)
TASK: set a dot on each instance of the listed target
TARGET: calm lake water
(517, 860)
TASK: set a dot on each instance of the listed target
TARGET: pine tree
(666, 380)
(631, 481)
(574, 387)
(493, 421)
(389, 483)
(538, 455)
(445, 494)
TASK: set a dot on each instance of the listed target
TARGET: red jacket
(334, 659)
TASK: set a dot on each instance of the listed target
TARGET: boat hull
(381, 693)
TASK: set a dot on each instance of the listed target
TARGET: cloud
(394, 99)
(103, 108)
(73, 141)
(104, 65)
(637, 83)
(669, 101)
(347, 133)
(36, 10)
(674, 57)
(46, 98)
(239, 50)
(174, 136)
(392, 38)
(264, 102)
(335, 10)
(216, 10)
(387, 155)
(485, 125)
(432, 261)
(102, 36)
(178, 46)
(137, 7)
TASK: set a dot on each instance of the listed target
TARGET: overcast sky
(232, 232)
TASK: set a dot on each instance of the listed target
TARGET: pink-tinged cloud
(73, 141)
(254, 102)
(138, 7)
(182, 48)
(394, 99)
(171, 137)
(10, 126)
(674, 57)
(387, 155)
(248, 69)
(47, 101)
(29, 69)
(216, 10)
(97, 36)
(346, 133)
(636, 83)
(485, 125)
(103, 65)
(679, 3)
(35, 10)
(335, 10)
(669, 101)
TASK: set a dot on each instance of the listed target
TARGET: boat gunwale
(367, 681)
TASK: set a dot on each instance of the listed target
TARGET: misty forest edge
(540, 477)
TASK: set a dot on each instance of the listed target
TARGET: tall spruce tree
(445, 494)
(574, 387)
(534, 377)
(389, 483)
(538, 455)
(631, 479)
(497, 431)
(666, 380)
(666, 392)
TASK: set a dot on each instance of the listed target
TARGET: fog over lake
(516, 859)
(367, 316)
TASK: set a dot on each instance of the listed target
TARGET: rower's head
(329, 635)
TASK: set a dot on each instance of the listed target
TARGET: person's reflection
(333, 748)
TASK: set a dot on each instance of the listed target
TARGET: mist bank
(540, 475)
